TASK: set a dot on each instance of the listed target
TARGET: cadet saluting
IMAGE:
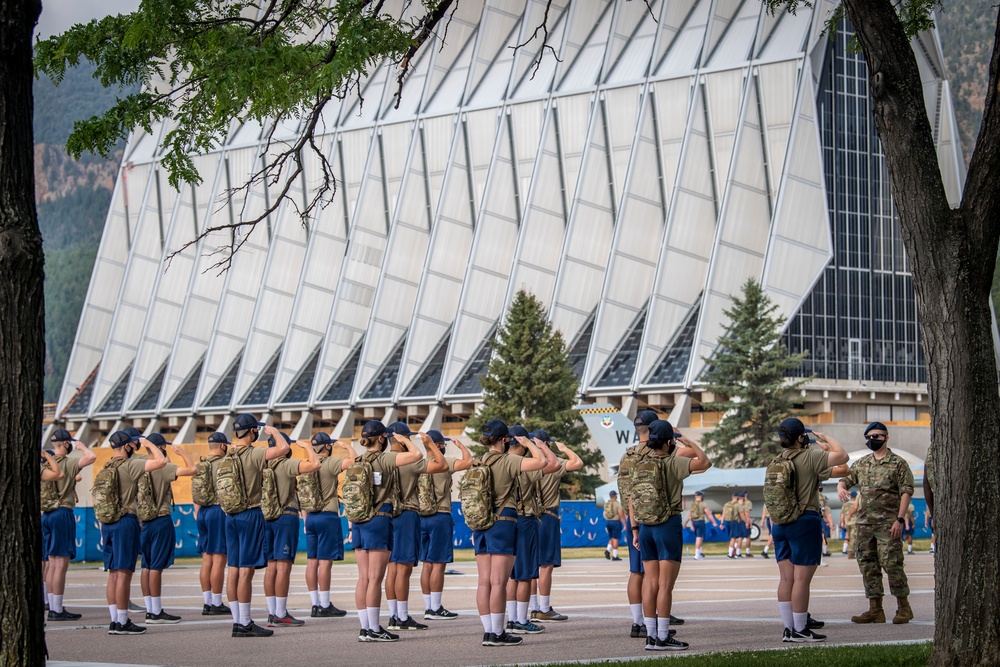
(886, 483)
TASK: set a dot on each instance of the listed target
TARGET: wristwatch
(900, 519)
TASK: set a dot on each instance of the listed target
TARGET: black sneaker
(607, 554)
(130, 628)
(806, 636)
(441, 614)
(813, 624)
(206, 609)
(64, 616)
(765, 554)
(270, 620)
(616, 558)
(488, 638)
(382, 635)
(393, 623)
(251, 629)
(638, 631)
(113, 628)
(410, 624)
(510, 626)
(676, 621)
(668, 644)
(327, 612)
(505, 639)
(286, 621)
(730, 556)
(215, 610)
(237, 630)
(163, 618)
(134, 607)
(363, 635)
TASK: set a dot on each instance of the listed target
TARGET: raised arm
(53, 472)
(411, 455)
(700, 462)
(537, 460)
(156, 458)
(188, 468)
(465, 462)
(552, 462)
(280, 446)
(437, 462)
(312, 462)
(575, 462)
(87, 458)
(836, 454)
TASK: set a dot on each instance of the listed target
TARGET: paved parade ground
(728, 606)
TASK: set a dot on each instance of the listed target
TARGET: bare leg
(155, 582)
(270, 574)
(57, 574)
(244, 589)
(312, 580)
(634, 588)
(484, 584)
(500, 566)
(650, 587)
(218, 573)
(205, 574)
(361, 589)
(803, 575)
(402, 587)
(664, 595)
(544, 579)
(378, 559)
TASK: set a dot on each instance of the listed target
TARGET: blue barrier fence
(582, 525)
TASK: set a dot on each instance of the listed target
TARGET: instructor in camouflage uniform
(886, 484)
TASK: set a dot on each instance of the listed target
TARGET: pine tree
(529, 381)
(748, 374)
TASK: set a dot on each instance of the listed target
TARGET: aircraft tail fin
(611, 429)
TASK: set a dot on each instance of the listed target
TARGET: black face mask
(873, 444)
(129, 451)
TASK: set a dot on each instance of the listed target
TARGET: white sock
(56, 603)
(269, 600)
(522, 612)
(324, 599)
(766, 547)
(699, 552)
(663, 628)
(234, 609)
(157, 604)
(148, 599)
(363, 619)
(496, 620)
(845, 548)
(608, 548)
(636, 613)
(392, 608)
(650, 626)
(533, 602)
(436, 600)
(113, 610)
(403, 609)
(543, 602)
(314, 599)
(122, 616)
(244, 613)
(427, 602)
(217, 599)
(800, 620)
(206, 596)
(280, 607)
(614, 553)
(747, 551)
(373, 623)
(511, 610)
(785, 609)
(487, 622)
(731, 551)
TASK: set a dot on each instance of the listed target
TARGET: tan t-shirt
(527, 484)
(678, 468)
(253, 460)
(505, 471)
(442, 487)
(128, 481)
(747, 506)
(286, 472)
(66, 487)
(697, 511)
(811, 468)
(611, 510)
(550, 487)
(162, 493)
(409, 475)
(329, 477)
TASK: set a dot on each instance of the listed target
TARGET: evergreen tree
(529, 381)
(747, 374)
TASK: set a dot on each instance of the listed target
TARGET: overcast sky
(58, 15)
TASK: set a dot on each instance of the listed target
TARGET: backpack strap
(789, 455)
(488, 460)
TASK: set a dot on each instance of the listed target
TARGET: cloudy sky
(58, 15)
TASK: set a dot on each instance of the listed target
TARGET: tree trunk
(22, 347)
(952, 255)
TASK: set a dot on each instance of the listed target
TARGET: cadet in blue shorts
(324, 534)
(212, 531)
(613, 522)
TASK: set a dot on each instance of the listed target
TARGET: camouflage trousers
(877, 551)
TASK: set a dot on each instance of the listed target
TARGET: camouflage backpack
(270, 500)
(477, 495)
(108, 506)
(146, 507)
(427, 500)
(780, 493)
(50, 491)
(359, 489)
(230, 488)
(633, 456)
(309, 492)
(649, 492)
(203, 482)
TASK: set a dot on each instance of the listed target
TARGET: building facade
(634, 183)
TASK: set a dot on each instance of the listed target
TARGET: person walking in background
(614, 519)
(698, 513)
(733, 524)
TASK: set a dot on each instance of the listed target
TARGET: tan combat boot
(904, 614)
(874, 613)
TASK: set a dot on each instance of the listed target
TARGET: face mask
(129, 451)
(874, 444)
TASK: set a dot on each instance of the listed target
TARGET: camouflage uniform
(851, 523)
(881, 485)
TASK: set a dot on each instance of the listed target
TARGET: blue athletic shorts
(375, 534)
(826, 530)
(437, 535)
(662, 542)
(211, 530)
(121, 543)
(733, 529)
(156, 543)
(699, 528)
(59, 533)
(526, 552)
(245, 539)
(406, 538)
(282, 537)
(614, 529)
(634, 559)
(550, 539)
(801, 541)
(500, 539)
(324, 536)
(906, 533)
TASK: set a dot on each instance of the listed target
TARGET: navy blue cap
(61, 435)
(518, 431)
(121, 438)
(496, 428)
(372, 429)
(321, 439)
(271, 442)
(157, 439)
(219, 438)
(400, 428)
(854, 494)
(660, 431)
(541, 434)
(645, 418)
(876, 426)
(613, 494)
(792, 427)
(245, 422)
(736, 493)
(133, 431)
(50, 452)
(438, 437)
(700, 493)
